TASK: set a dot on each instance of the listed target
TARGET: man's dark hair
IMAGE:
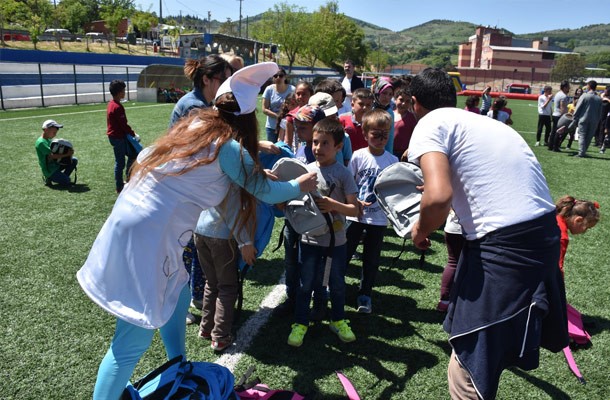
(116, 87)
(433, 88)
(592, 84)
(564, 84)
(330, 126)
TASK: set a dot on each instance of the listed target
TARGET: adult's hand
(308, 182)
(268, 147)
(420, 239)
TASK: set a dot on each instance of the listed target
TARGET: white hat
(49, 123)
(246, 83)
(325, 102)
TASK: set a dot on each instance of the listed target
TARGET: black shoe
(47, 182)
(557, 150)
(285, 309)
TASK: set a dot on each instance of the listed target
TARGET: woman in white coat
(134, 270)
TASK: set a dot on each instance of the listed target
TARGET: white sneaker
(190, 319)
(537, 144)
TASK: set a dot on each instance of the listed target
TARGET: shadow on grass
(369, 353)
(552, 391)
(76, 188)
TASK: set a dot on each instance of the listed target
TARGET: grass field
(53, 336)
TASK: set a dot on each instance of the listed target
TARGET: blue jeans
(291, 260)
(131, 341)
(271, 134)
(371, 252)
(122, 149)
(313, 261)
(62, 175)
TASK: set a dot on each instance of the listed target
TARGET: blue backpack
(178, 379)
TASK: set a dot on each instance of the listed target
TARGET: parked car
(16, 37)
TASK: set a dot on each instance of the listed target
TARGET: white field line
(250, 328)
(79, 112)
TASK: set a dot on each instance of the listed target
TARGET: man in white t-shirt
(560, 107)
(350, 83)
(508, 297)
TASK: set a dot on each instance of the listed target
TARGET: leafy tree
(228, 28)
(12, 12)
(38, 16)
(568, 66)
(113, 12)
(76, 14)
(283, 25)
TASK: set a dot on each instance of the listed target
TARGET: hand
(420, 240)
(308, 182)
(270, 175)
(325, 204)
(248, 253)
(268, 147)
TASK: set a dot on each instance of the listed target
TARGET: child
(404, 123)
(338, 191)
(497, 113)
(362, 101)
(472, 104)
(384, 92)
(575, 216)
(365, 165)
(288, 105)
(49, 163)
(302, 93)
(117, 132)
(544, 115)
(454, 241)
(486, 100)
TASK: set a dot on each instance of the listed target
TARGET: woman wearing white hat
(134, 270)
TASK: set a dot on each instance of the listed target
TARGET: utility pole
(210, 22)
(160, 12)
(239, 30)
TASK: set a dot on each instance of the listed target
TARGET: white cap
(325, 102)
(49, 123)
(246, 83)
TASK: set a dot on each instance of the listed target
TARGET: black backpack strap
(402, 250)
(240, 292)
(280, 239)
(329, 249)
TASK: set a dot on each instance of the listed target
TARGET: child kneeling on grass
(338, 190)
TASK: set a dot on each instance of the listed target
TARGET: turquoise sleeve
(389, 146)
(266, 190)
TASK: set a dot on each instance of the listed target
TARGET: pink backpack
(578, 336)
(255, 390)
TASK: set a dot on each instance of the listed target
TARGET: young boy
(49, 162)
(404, 123)
(338, 191)
(117, 132)
(362, 101)
(365, 166)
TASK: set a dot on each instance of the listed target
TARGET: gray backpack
(395, 189)
(302, 213)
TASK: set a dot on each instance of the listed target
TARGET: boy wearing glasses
(365, 165)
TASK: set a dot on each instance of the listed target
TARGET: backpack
(302, 213)
(396, 192)
(255, 390)
(179, 379)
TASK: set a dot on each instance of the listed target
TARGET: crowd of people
(188, 208)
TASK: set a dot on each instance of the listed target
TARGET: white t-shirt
(496, 179)
(542, 110)
(347, 103)
(503, 116)
(559, 98)
(365, 168)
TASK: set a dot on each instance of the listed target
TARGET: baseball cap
(325, 102)
(309, 113)
(49, 123)
(246, 83)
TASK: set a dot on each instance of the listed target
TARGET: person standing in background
(350, 83)
(587, 115)
(544, 115)
(273, 98)
(560, 107)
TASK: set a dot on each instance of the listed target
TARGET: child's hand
(248, 253)
(268, 147)
(325, 204)
(270, 175)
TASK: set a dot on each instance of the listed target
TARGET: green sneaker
(296, 336)
(341, 328)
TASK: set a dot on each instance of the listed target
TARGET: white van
(58, 31)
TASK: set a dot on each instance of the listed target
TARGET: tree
(228, 28)
(113, 12)
(38, 17)
(76, 14)
(568, 66)
(283, 25)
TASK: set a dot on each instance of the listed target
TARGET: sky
(518, 16)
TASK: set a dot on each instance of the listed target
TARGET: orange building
(492, 54)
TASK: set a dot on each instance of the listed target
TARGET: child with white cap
(56, 167)
(134, 270)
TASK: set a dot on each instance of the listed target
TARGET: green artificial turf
(53, 336)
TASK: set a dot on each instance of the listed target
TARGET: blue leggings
(131, 341)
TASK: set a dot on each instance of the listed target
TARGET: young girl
(302, 93)
(134, 270)
(497, 113)
(290, 102)
(575, 216)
